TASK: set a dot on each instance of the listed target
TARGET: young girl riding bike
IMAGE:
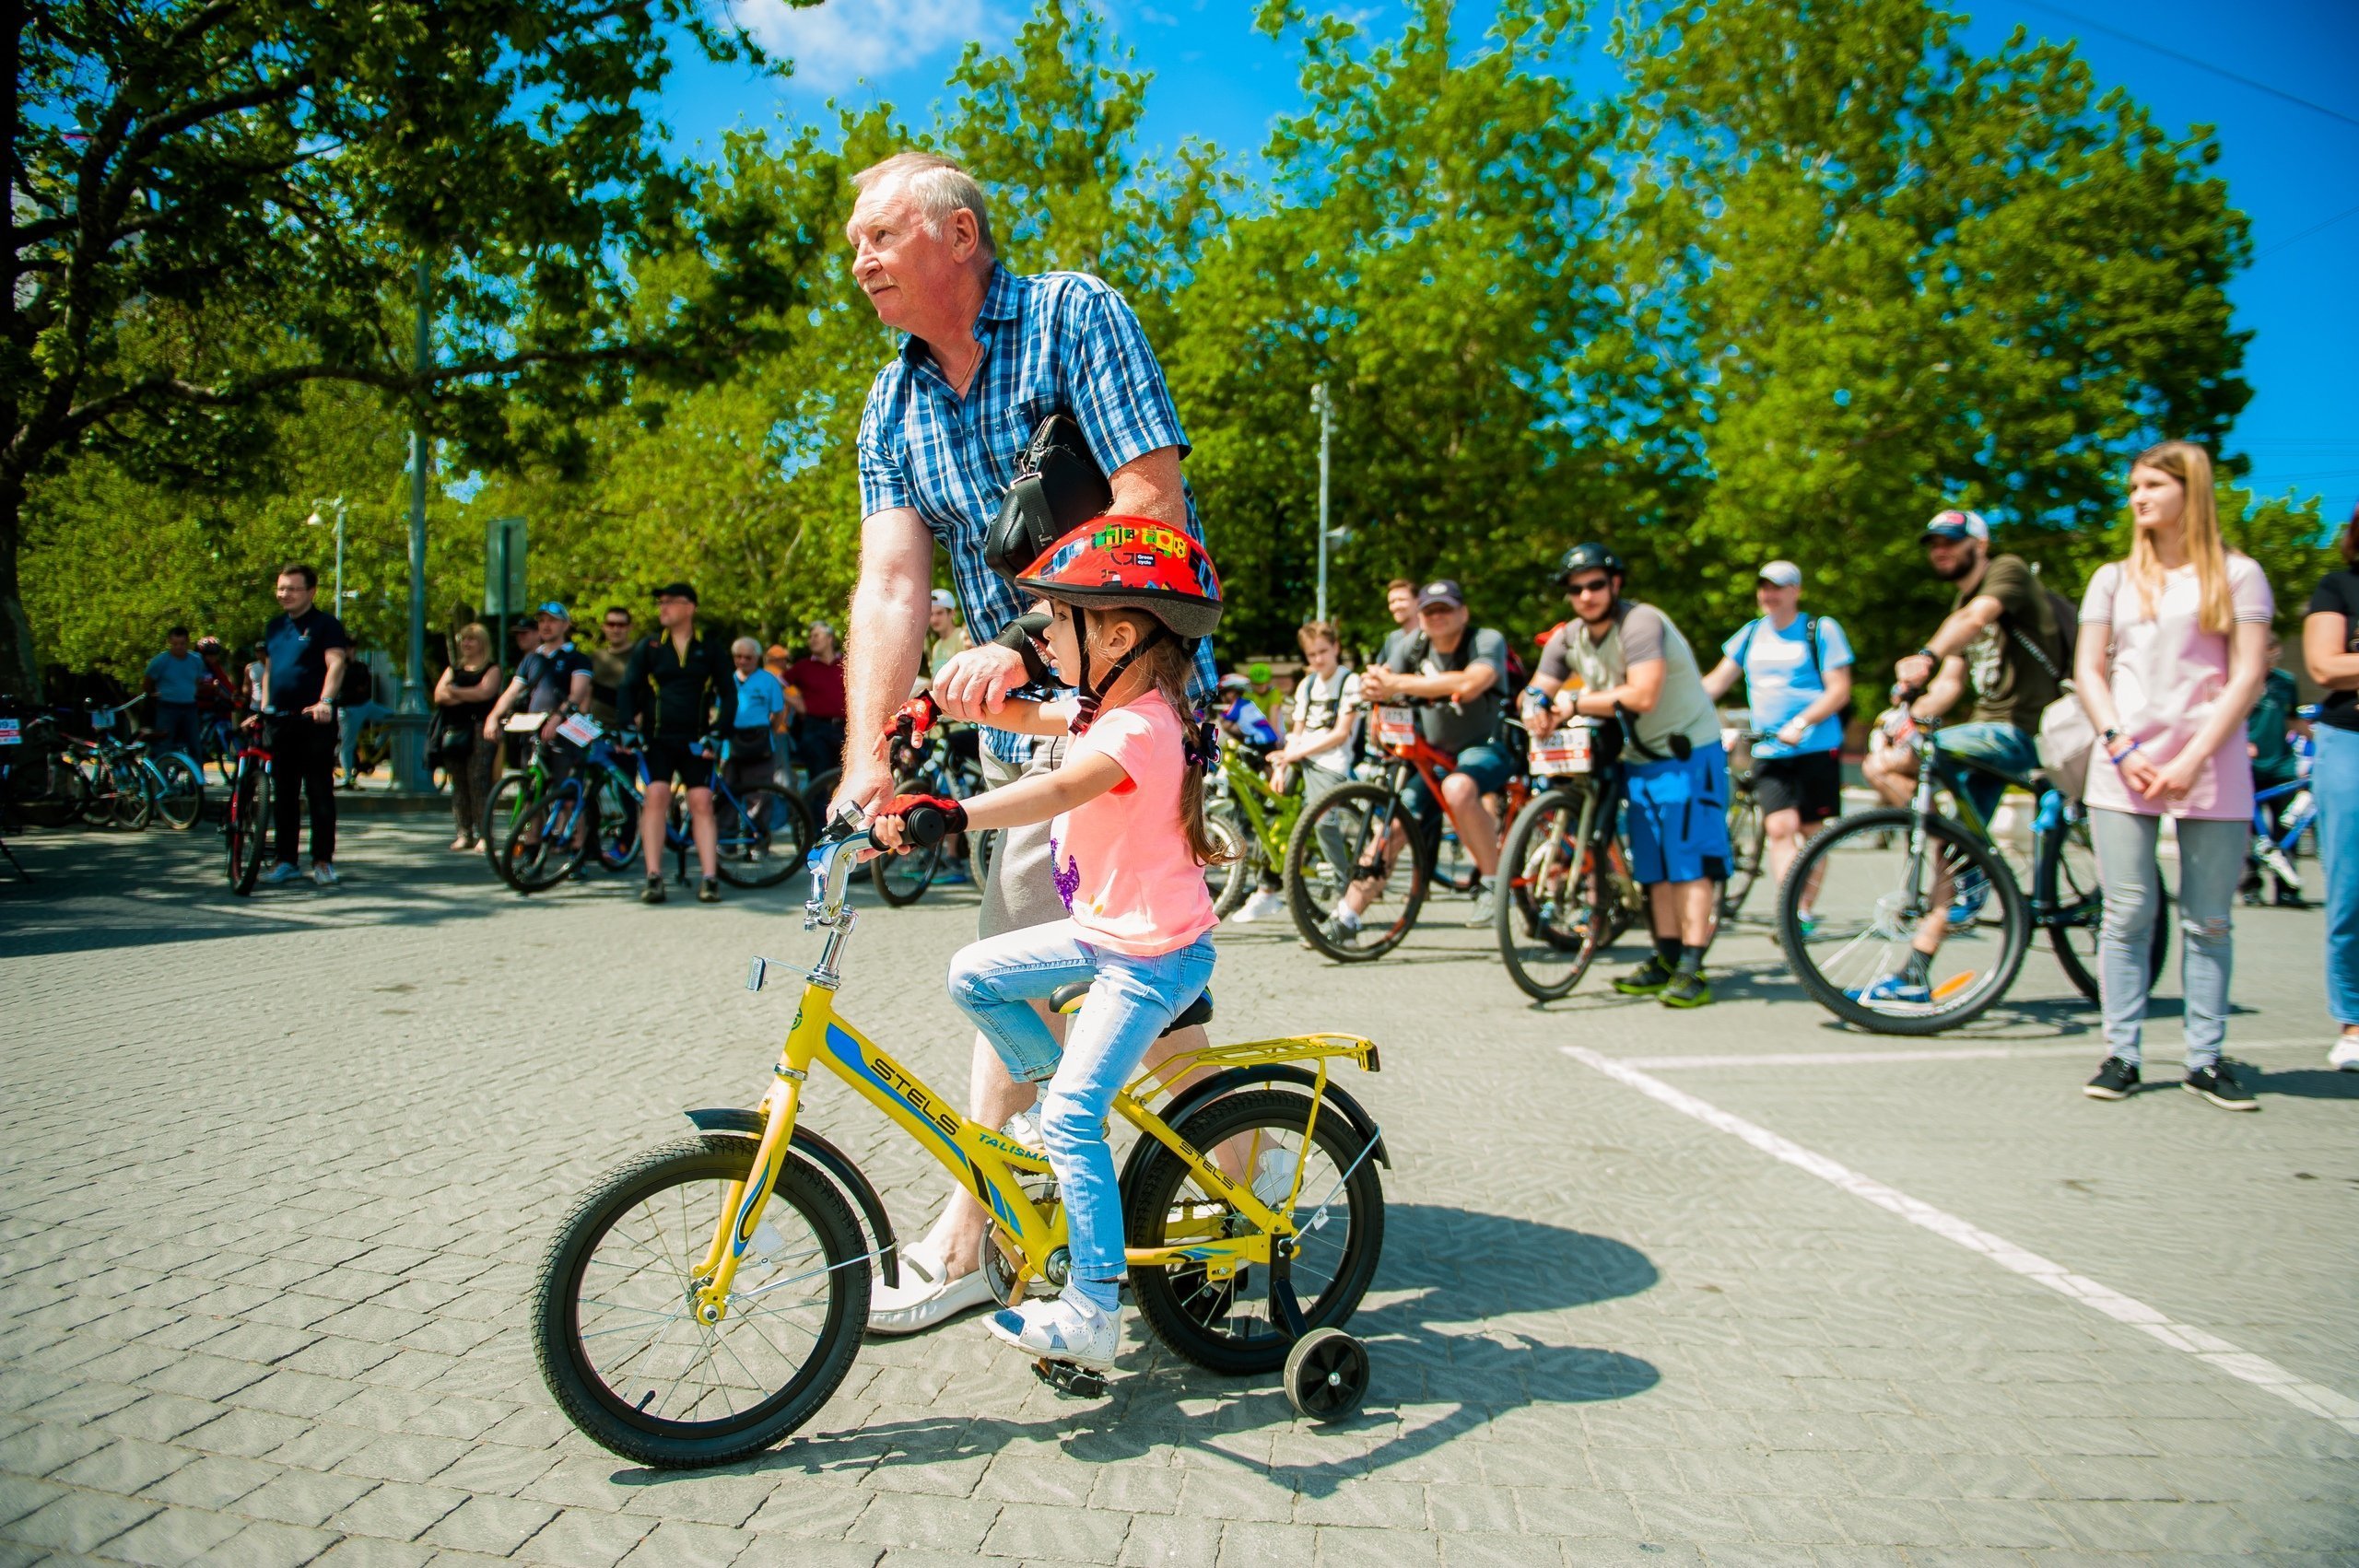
(1128, 597)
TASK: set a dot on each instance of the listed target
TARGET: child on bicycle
(1128, 598)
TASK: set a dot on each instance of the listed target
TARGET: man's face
(553, 630)
(1952, 558)
(673, 613)
(821, 642)
(1443, 623)
(904, 267)
(940, 620)
(178, 643)
(746, 659)
(1591, 592)
(295, 595)
(1776, 599)
(617, 630)
(1403, 603)
(1322, 655)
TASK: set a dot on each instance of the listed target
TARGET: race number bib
(1396, 727)
(1563, 752)
(524, 724)
(10, 735)
(580, 729)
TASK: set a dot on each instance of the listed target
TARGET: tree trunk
(19, 669)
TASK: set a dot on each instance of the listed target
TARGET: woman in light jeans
(2330, 648)
(2173, 649)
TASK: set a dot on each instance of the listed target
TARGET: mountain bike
(245, 832)
(1566, 891)
(1257, 815)
(1362, 835)
(171, 782)
(1950, 882)
(705, 1299)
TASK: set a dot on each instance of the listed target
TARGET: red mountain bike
(248, 829)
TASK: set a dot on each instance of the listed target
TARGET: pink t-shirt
(1122, 860)
(2167, 672)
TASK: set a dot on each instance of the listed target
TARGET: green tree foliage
(216, 202)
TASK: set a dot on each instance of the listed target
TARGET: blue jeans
(2334, 779)
(1131, 1000)
(2009, 748)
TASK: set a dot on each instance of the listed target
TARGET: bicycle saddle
(1067, 999)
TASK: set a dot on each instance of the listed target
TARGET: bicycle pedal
(1067, 1378)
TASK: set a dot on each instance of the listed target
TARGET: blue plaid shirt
(1060, 342)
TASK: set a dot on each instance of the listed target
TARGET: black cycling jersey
(693, 695)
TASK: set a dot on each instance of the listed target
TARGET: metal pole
(339, 557)
(409, 746)
(1326, 430)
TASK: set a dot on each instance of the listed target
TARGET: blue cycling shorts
(1679, 816)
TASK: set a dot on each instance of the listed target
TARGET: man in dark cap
(694, 698)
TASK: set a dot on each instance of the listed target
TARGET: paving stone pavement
(275, 1176)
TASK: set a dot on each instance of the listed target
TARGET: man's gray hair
(941, 187)
(747, 645)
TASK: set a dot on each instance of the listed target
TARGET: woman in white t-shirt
(2174, 646)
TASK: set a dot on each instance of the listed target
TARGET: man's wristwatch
(1928, 654)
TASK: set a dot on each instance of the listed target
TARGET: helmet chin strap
(1087, 695)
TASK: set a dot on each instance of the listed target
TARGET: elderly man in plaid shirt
(989, 355)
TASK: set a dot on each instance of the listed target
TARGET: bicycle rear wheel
(1871, 903)
(613, 1333)
(506, 809)
(763, 837)
(2071, 898)
(179, 787)
(1745, 839)
(1359, 838)
(249, 828)
(551, 843)
(1230, 879)
(1560, 904)
(1229, 1325)
(615, 824)
(901, 880)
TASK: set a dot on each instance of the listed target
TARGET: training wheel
(1327, 1374)
(1067, 1378)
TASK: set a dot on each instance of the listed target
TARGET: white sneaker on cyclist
(1023, 1127)
(323, 873)
(2344, 1056)
(1273, 1176)
(924, 1298)
(1266, 904)
(284, 872)
(1068, 1328)
(1486, 905)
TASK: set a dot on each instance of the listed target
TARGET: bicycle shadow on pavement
(1449, 1337)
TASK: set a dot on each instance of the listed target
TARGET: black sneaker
(709, 892)
(1686, 989)
(2114, 1081)
(653, 892)
(2218, 1085)
(1649, 978)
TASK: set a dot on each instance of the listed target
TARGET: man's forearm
(333, 682)
(886, 645)
(1149, 487)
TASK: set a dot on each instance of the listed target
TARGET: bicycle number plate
(102, 720)
(1396, 726)
(524, 724)
(580, 729)
(10, 735)
(1564, 751)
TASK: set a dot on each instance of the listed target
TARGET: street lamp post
(1326, 412)
(409, 732)
(313, 522)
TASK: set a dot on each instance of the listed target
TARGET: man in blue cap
(553, 678)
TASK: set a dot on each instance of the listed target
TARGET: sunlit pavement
(1735, 1285)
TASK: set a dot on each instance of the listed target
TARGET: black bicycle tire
(1309, 918)
(1508, 905)
(1239, 875)
(1744, 868)
(611, 1424)
(1148, 1203)
(2059, 937)
(2014, 921)
(569, 802)
(609, 798)
(179, 762)
(777, 868)
(489, 832)
(245, 866)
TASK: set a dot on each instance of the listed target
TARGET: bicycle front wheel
(511, 803)
(1873, 902)
(1745, 839)
(179, 787)
(551, 843)
(2070, 898)
(616, 1336)
(615, 824)
(1357, 872)
(249, 828)
(1557, 898)
(763, 839)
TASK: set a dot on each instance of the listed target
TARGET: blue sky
(2288, 167)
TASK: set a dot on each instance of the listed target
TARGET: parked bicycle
(1566, 891)
(245, 832)
(1948, 882)
(1747, 835)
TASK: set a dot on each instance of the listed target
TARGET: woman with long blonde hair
(2174, 646)
(463, 696)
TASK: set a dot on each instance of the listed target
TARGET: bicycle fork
(741, 1211)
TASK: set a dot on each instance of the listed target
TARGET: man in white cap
(946, 639)
(1796, 675)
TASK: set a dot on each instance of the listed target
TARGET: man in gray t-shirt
(1462, 671)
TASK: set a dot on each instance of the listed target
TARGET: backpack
(2067, 617)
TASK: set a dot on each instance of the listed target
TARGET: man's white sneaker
(1273, 1176)
(323, 873)
(1266, 904)
(284, 872)
(923, 1299)
(1487, 903)
(1067, 1329)
(2344, 1056)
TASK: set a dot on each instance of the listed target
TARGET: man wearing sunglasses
(1636, 669)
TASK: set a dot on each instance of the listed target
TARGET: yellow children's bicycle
(706, 1298)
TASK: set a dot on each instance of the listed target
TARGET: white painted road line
(2318, 1400)
(2165, 1055)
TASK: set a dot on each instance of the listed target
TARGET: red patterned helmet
(1116, 562)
